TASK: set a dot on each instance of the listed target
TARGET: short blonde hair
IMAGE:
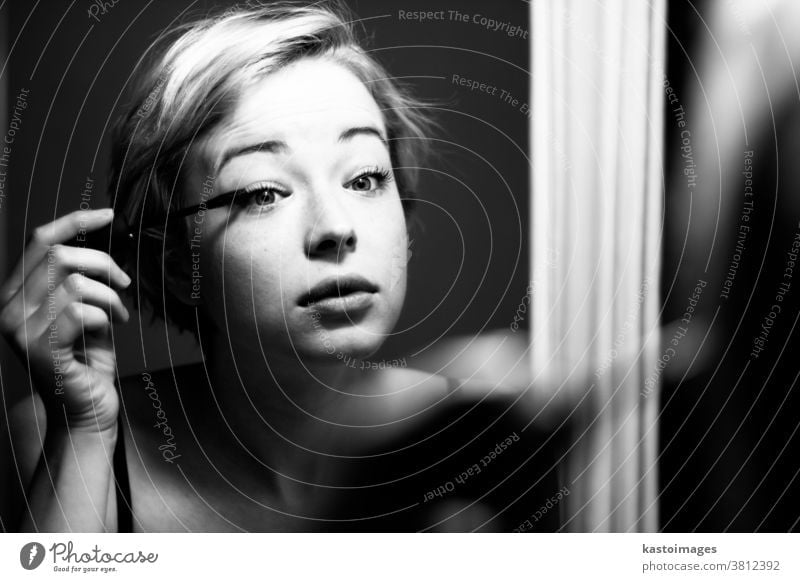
(193, 80)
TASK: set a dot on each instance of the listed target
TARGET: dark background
(730, 454)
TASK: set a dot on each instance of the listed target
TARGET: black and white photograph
(366, 267)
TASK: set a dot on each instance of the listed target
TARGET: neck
(284, 411)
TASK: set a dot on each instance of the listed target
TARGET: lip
(346, 293)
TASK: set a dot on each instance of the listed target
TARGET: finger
(76, 287)
(59, 262)
(88, 261)
(75, 320)
(43, 237)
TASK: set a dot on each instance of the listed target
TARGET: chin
(337, 344)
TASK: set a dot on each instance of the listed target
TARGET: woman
(262, 176)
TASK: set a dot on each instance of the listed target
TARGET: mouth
(345, 294)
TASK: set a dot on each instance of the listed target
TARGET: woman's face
(312, 256)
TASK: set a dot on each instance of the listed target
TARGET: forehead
(310, 99)
(309, 84)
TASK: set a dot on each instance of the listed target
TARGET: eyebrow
(281, 147)
(348, 134)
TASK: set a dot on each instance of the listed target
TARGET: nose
(331, 234)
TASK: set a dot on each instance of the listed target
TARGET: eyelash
(247, 195)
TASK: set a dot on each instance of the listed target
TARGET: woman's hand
(55, 311)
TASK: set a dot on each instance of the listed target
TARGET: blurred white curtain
(598, 71)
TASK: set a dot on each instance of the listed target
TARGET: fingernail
(105, 212)
(126, 279)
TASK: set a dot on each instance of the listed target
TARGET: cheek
(399, 260)
(391, 254)
(385, 225)
(248, 272)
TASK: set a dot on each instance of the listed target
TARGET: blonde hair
(194, 78)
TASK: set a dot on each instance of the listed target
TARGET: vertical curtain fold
(597, 132)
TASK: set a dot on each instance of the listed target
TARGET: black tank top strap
(123, 488)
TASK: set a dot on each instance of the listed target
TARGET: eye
(369, 180)
(261, 195)
(364, 183)
(264, 197)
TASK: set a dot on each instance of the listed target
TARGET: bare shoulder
(156, 443)
(407, 396)
(152, 409)
(439, 386)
